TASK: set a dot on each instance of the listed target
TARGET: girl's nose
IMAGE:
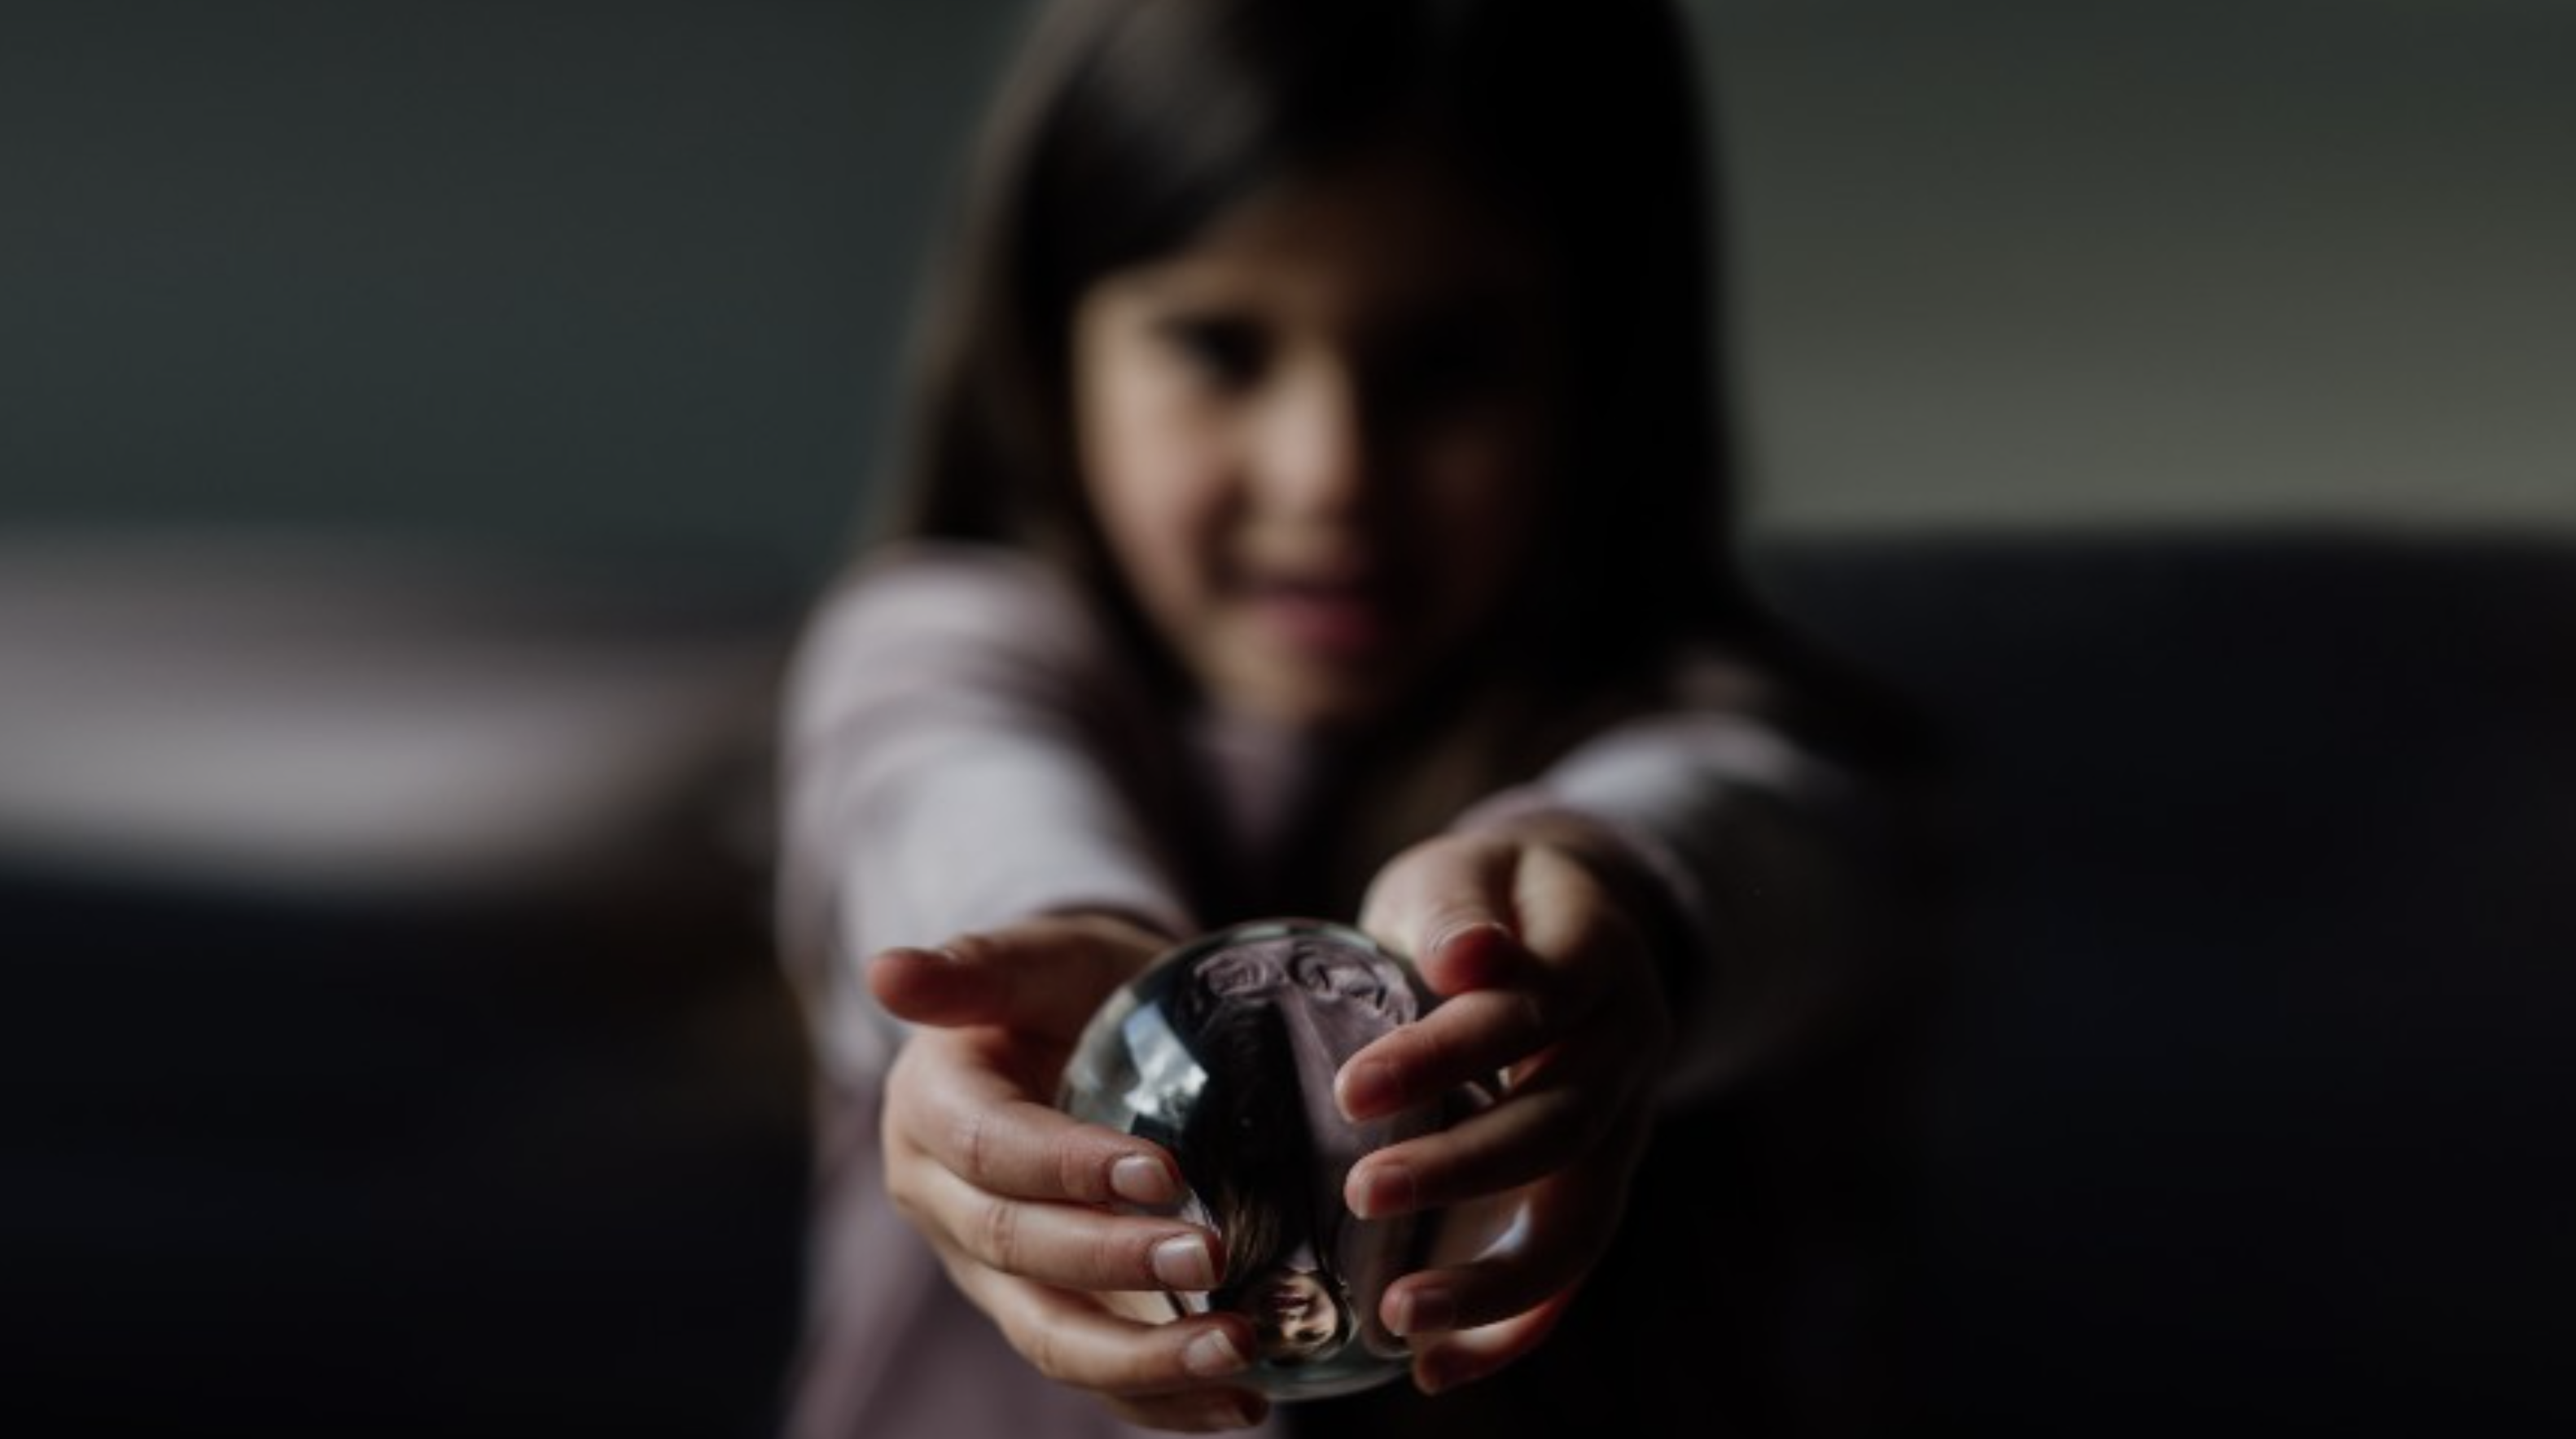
(1316, 454)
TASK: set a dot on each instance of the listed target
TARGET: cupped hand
(1017, 1198)
(1548, 981)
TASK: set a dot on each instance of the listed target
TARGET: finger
(1549, 1122)
(1467, 1040)
(953, 1103)
(1072, 1339)
(1564, 1225)
(1472, 952)
(1069, 1246)
(1044, 978)
(1446, 1361)
(1488, 1291)
(1562, 905)
(934, 986)
(1448, 904)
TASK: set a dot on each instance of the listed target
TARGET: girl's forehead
(1395, 220)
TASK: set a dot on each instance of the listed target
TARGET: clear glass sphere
(1224, 1052)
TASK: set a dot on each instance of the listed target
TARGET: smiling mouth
(1288, 1304)
(1340, 619)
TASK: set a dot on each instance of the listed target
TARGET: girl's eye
(1454, 359)
(1227, 353)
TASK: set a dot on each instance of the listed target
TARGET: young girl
(1315, 507)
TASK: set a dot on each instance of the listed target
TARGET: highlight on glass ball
(1224, 1051)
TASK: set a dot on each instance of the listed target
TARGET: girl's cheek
(1486, 479)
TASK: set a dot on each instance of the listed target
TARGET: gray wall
(2182, 261)
(636, 273)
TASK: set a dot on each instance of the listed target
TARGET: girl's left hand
(1548, 980)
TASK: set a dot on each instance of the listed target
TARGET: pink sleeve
(951, 761)
(1739, 829)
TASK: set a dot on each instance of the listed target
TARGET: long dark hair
(1127, 126)
(1251, 1158)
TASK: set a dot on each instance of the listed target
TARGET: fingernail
(1140, 1180)
(1367, 1086)
(1211, 1354)
(1423, 1311)
(1182, 1262)
(1385, 1189)
(1492, 931)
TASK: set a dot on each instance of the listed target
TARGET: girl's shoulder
(981, 598)
(961, 581)
(984, 627)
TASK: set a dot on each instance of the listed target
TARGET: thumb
(1045, 977)
(1447, 903)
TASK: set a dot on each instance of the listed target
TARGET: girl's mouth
(1337, 618)
(1286, 1304)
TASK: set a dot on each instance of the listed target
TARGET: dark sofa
(2239, 1099)
(2249, 1103)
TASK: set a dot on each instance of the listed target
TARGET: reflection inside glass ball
(1224, 1052)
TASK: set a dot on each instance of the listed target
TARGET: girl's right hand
(1015, 1196)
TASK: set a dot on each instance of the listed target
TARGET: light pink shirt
(965, 747)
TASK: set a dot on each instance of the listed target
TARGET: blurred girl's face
(1316, 437)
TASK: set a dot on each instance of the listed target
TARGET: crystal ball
(1223, 1051)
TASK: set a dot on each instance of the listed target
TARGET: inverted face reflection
(1295, 1315)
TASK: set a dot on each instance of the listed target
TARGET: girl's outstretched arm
(961, 750)
(1015, 1196)
(1674, 905)
(960, 759)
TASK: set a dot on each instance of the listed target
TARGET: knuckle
(1122, 1258)
(970, 948)
(903, 1186)
(1045, 1350)
(1079, 1174)
(970, 1139)
(907, 1200)
(998, 1235)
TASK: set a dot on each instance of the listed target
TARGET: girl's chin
(1335, 673)
(1306, 697)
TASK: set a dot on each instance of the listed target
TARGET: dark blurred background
(421, 424)
(636, 273)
